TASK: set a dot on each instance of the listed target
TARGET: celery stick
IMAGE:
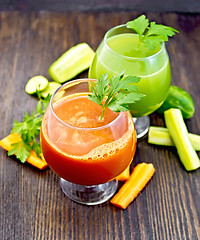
(178, 131)
(161, 136)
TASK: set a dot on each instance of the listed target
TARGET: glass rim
(74, 127)
(126, 57)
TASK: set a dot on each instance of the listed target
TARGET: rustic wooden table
(32, 205)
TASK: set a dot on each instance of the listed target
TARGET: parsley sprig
(29, 130)
(115, 93)
(151, 34)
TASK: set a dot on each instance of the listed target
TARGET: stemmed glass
(86, 152)
(118, 52)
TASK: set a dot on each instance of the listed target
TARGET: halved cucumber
(37, 83)
(178, 98)
(71, 63)
(50, 89)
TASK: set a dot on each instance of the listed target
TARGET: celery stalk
(178, 131)
(161, 136)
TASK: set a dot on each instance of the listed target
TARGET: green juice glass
(121, 51)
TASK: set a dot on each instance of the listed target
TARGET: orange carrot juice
(80, 147)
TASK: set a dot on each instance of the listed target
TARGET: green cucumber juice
(124, 52)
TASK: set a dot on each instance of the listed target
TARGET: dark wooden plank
(103, 5)
(32, 205)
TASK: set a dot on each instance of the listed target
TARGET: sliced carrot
(9, 140)
(33, 159)
(140, 176)
(124, 176)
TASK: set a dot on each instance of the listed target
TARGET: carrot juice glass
(120, 51)
(86, 152)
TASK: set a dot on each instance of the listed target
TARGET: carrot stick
(33, 159)
(140, 176)
(37, 162)
(124, 176)
(9, 140)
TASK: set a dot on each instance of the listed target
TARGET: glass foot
(142, 125)
(89, 195)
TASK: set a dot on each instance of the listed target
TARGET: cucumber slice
(50, 89)
(161, 136)
(178, 132)
(178, 98)
(37, 83)
(71, 63)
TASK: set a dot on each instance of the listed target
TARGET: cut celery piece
(161, 136)
(51, 88)
(71, 63)
(178, 131)
(37, 83)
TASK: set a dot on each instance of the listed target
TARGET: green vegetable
(179, 98)
(71, 63)
(51, 88)
(115, 93)
(29, 130)
(37, 83)
(150, 35)
(161, 136)
(178, 132)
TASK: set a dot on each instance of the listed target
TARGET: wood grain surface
(192, 6)
(32, 205)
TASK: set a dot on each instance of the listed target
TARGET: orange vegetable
(124, 176)
(140, 176)
(33, 159)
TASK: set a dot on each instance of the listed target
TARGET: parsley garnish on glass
(150, 34)
(115, 93)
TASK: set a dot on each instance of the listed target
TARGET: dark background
(185, 6)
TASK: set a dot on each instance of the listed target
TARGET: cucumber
(161, 136)
(50, 89)
(37, 83)
(178, 98)
(71, 63)
(179, 134)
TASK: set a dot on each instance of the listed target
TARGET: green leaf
(160, 30)
(102, 87)
(26, 117)
(150, 34)
(129, 81)
(29, 130)
(37, 148)
(116, 93)
(21, 150)
(101, 90)
(119, 108)
(129, 88)
(139, 25)
(94, 99)
(18, 127)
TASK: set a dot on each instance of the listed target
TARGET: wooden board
(32, 205)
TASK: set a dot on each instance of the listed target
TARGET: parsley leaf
(116, 93)
(139, 25)
(150, 34)
(29, 130)
(21, 150)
